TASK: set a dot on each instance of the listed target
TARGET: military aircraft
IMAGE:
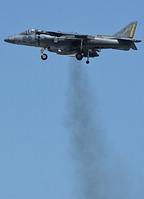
(79, 45)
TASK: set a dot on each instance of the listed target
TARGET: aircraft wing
(59, 34)
(75, 40)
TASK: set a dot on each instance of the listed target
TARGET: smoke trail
(99, 173)
(87, 139)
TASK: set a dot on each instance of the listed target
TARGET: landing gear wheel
(79, 56)
(87, 62)
(44, 56)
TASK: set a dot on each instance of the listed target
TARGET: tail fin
(128, 31)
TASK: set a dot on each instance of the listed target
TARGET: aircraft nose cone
(10, 40)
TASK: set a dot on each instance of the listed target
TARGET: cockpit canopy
(29, 32)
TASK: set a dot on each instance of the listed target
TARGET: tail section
(127, 32)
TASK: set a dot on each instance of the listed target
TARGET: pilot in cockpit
(28, 32)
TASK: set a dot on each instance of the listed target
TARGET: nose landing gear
(43, 55)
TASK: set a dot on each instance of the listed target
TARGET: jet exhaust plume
(99, 173)
(87, 139)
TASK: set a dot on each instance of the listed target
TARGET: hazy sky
(67, 129)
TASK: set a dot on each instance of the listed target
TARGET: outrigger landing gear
(87, 61)
(43, 55)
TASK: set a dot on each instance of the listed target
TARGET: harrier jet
(78, 45)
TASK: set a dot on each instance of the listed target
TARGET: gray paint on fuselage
(73, 43)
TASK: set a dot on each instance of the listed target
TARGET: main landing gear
(43, 55)
(79, 57)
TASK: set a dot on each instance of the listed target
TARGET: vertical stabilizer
(127, 32)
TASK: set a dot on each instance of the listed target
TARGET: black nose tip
(6, 40)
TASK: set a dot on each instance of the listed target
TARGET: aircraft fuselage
(78, 44)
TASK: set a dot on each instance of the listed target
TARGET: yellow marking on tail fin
(132, 30)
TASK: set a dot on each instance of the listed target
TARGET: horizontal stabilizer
(133, 46)
(131, 42)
